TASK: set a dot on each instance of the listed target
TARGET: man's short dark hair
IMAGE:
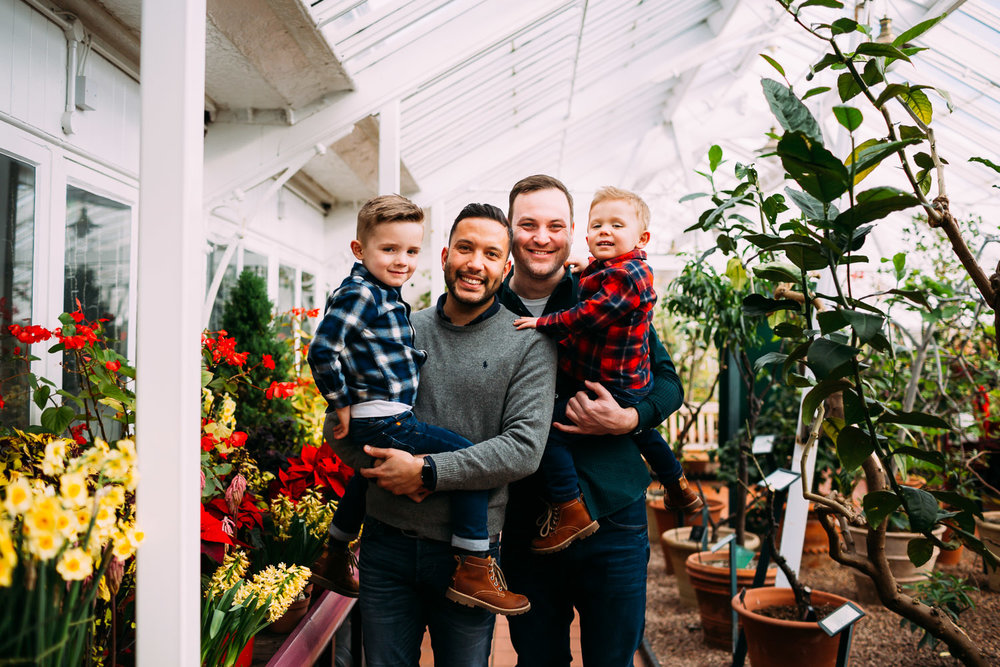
(534, 184)
(487, 211)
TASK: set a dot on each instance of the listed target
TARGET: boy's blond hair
(611, 193)
(385, 209)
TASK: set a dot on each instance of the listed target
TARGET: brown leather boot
(681, 497)
(338, 575)
(478, 582)
(562, 525)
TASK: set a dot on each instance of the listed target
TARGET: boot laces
(352, 560)
(496, 575)
(549, 521)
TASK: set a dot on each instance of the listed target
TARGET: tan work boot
(478, 582)
(338, 575)
(562, 525)
(681, 497)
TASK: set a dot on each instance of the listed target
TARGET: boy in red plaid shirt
(604, 339)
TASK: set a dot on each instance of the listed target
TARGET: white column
(388, 148)
(793, 532)
(170, 290)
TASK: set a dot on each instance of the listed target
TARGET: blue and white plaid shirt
(363, 349)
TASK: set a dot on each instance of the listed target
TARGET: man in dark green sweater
(604, 576)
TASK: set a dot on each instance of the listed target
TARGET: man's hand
(344, 419)
(396, 471)
(598, 416)
(526, 322)
(576, 263)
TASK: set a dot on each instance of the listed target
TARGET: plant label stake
(762, 444)
(842, 620)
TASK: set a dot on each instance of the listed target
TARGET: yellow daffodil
(55, 457)
(44, 545)
(41, 517)
(75, 564)
(18, 497)
(73, 487)
(8, 556)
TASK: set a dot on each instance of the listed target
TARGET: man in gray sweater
(487, 382)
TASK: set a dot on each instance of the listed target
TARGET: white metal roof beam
(238, 156)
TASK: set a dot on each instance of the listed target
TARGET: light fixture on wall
(885, 35)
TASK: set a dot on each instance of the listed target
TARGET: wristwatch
(427, 476)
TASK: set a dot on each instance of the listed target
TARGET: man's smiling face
(543, 233)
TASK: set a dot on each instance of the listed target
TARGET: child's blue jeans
(559, 472)
(405, 432)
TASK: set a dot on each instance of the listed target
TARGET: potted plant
(824, 237)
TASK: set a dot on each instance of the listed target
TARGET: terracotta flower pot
(295, 613)
(678, 547)
(904, 571)
(665, 520)
(709, 575)
(772, 642)
(989, 533)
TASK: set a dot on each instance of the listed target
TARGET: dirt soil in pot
(675, 632)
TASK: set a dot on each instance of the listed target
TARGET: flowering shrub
(234, 609)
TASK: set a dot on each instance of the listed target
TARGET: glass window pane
(98, 240)
(17, 230)
(309, 300)
(228, 281)
(286, 298)
(256, 263)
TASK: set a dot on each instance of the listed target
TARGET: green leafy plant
(947, 593)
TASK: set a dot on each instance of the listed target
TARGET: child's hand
(526, 323)
(344, 417)
(576, 263)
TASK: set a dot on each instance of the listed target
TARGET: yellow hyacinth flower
(44, 545)
(41, 517)
(112, 496)
(8, 556)
(127, 448)
(73, 487)
(75, 564)
(207, 398)
(104, 517)
(19, 497)
(55, 457)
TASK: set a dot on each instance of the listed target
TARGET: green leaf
(805, 253)
(777, 272)
(919, 104)
(809, 205)
(756, 304)
(843, 26)
(56, 420)
(916, 296)
(922, 508)
(849, 117)
(725, 243)
(736, 273)
(917, 30)
(878, 505)
(847, 86)
(787, 330)
(957, 500)
(872, 74)
(899, 265)
(913, 419)
(825, 356)
(892, 90)
(791, 113)
(763, 241)
(41, 396)
(819, 90)
(833, 4)
(774, 63)
(868, 156)
(865, 325)
(818, 394)
(992, 165)
(878, 49)
(920, 550)
(827, 60)
(814, 168)
(911, 132)
(693, 195)
(714, 157)
(769, 358)
(875, 204)
(937, 458)
(830, 321)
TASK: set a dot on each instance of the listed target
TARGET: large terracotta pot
(709, 575)
(772, 642)
(678, 547)
(989, 533)
(904, 571)
(666, 520)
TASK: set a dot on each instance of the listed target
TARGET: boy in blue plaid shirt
(364, 362)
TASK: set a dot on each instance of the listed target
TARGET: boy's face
(390, 252)
(613, 229)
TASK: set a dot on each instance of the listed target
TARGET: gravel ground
(675, 632)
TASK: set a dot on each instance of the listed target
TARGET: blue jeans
(468, 508)
(559, 472)
(403, 581)
(603, 577)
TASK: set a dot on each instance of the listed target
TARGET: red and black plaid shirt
(604, 337)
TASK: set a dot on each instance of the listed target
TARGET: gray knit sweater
(487, 382)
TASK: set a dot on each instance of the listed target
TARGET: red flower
(1, 403)
(77, 433)
(313, 313)
(268, 362)
(280, 390)
(113, 366)
(318, 467)
(77, 316)
(32, 333)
